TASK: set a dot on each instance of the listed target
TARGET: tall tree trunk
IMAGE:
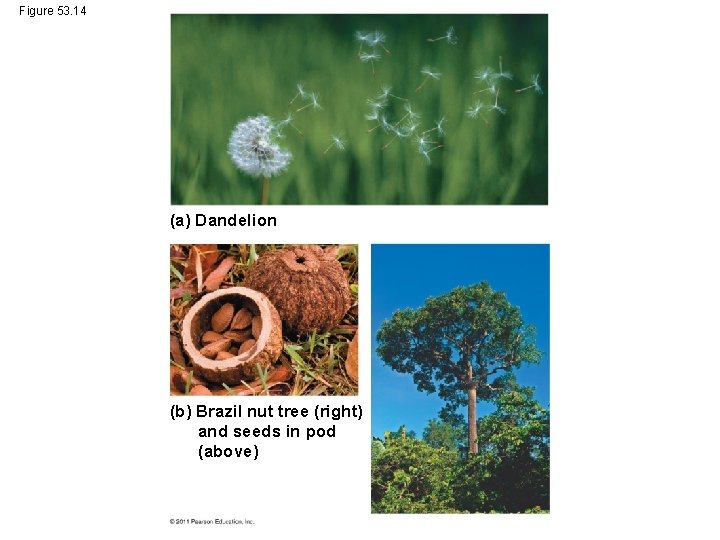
(472, 420)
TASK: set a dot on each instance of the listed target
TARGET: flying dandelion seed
(449, 36)
(363, 38)
(438, 127)
(484, 75)
(503, 74)
(376, 105)
(493, 89)
(410, 115)
(302, 94)
(337, 142)
(386, 92)
(429, 73)
(370, 57)
(424, 146)
(382, 123)
(476, 110)
(287, 121)
(313, 102)
(497, 107)
(377, 39)
(535, 85)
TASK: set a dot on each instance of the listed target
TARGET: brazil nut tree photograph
(460, 379)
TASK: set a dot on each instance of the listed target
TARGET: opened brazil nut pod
(307, 286)
(214, 315)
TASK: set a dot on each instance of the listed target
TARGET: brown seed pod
(212, 349)
(238, 336)
(242, 366)
(224, 355)
(246, 346)
(306, 285)
(210, 336)
(243, 318)
(222, 317)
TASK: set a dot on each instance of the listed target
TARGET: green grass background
(226, 68)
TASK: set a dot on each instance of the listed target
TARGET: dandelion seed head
(301, 90)
(428, 71)
(253, 149)
(439, 126)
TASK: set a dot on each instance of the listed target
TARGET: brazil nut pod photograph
(264, 319)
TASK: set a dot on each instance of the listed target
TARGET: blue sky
(404, 276)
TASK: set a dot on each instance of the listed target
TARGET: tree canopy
(461, 345)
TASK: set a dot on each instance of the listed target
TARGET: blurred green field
(226, 68)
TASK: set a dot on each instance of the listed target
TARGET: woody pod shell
(306, 285)
(243, 366)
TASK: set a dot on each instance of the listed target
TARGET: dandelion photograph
(359, 109)
(263, 319)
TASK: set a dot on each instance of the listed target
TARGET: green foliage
(439, 434)
(228, 68)
(510, 474)
(401, 433)
(511, 471)
(410, 476)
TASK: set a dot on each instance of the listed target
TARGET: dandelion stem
(265, 190)
(422, 84)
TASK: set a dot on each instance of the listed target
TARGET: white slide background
(88, 447)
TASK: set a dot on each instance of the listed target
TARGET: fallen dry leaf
(217, 276)
(351, 364)
(176, 350)
(179, 292)
(204, 254)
